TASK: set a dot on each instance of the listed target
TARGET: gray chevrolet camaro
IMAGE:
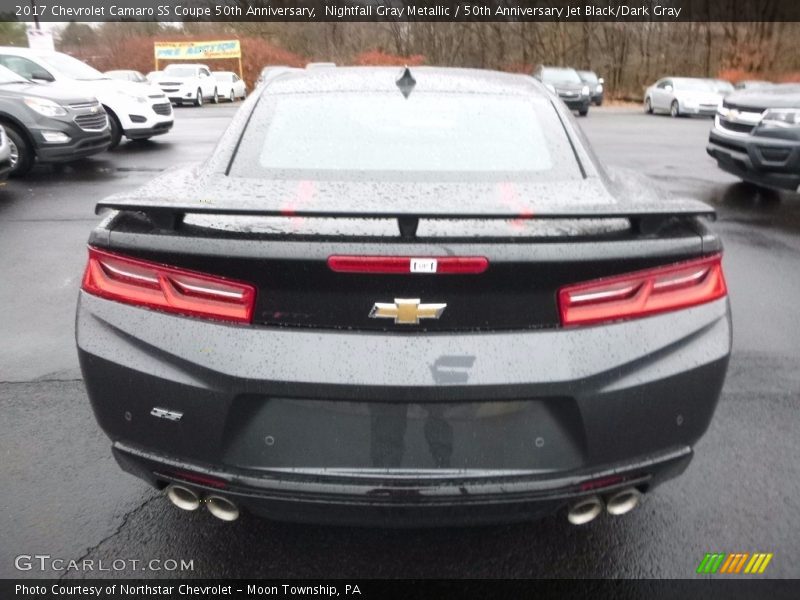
(402, 297)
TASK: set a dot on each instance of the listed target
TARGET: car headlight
(45, 107)
(585, 91)
(780, 117)
(134, 97)
(599, 88)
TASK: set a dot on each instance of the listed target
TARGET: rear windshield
(385, 134)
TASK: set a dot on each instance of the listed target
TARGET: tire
(583, 112)
(198, 101)
(232, 97)
(674, 109)
(215, 97)
(115, 128)
(22, 154)
(648, 106)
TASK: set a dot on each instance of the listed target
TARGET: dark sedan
(595, 84)
(756, 136)
(403, 298)
(49, 124)
(567, 85)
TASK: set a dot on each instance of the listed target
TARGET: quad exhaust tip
(585, 510)
(623, 501)
(183, 497)
(222, 508)
(187, 499)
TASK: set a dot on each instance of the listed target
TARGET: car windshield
(72, 67)
(588, 76)
(693, 85)
(8, 76)
(558, 75)
(221, 76)
(386, 135)
(180, 71)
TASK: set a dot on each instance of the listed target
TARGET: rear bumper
(769, 162)
(505, 425)
(386, 499)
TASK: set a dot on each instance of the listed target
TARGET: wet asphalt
(62, 494)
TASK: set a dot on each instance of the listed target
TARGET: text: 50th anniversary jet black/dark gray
(403, 299)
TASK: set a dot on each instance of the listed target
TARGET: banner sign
(197, 50)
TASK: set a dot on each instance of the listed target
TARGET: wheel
(198, 101)
(232, 97)
(215, 97)
(22, 154)
(674, 109)
(115, 128)
(648, 106)
(583, 112)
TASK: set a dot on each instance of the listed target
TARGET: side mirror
(42, 76)
(601, 80)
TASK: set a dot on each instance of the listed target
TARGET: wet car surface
(69, 499)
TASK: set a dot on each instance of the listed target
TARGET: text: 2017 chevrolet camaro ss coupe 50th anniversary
(405, 297)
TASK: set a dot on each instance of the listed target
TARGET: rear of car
(756, 136)
(445, 316)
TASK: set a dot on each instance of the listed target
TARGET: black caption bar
(367, 589)
(400, 10)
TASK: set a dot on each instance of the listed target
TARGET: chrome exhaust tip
(222, 508)
(623, 501)
(585, 510)
(183, 497)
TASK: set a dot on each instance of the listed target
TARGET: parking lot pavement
(64, 496)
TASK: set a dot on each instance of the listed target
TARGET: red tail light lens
(442, 265)
(643, 293)
(144, 283)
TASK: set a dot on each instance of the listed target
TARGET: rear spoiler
(170, 216)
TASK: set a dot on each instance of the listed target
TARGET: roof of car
(383, 79)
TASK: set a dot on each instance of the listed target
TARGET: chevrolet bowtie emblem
(406, 311)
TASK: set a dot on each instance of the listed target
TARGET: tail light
(152, 285)
(443, 265)
(643, 293)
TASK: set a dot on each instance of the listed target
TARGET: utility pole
(35, 15)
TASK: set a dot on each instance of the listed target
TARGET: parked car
(750, 84)
(188, 83)
(595, 84)
(756, 136)
(230, 85)
(5, 155)
(126, 75)
(135, 110)
(680, 96)
(270, 72)
(722, 86)
(49, 124)
(438, 360)
(567, 85)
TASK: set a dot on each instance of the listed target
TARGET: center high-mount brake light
(643, 293)
(152, 285)
(387, 265)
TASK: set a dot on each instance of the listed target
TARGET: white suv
(188, 83)
(136, 110)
